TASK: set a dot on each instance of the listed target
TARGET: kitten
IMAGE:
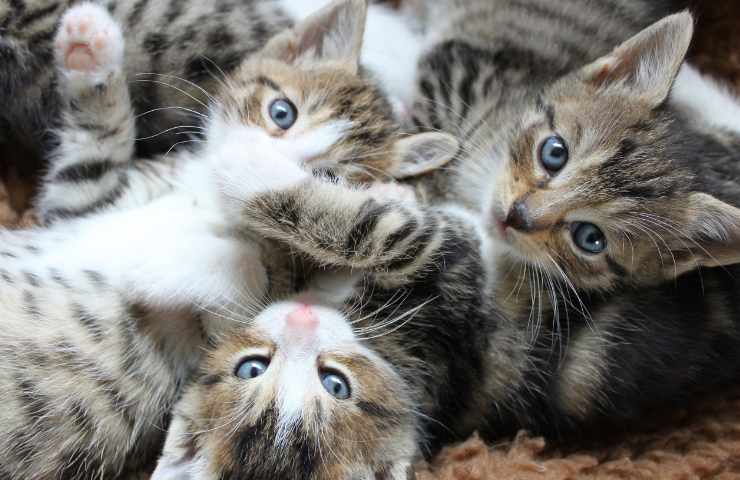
(606, 196)
(293, 395)
(105, 316)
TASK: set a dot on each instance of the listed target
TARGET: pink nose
(302, 319)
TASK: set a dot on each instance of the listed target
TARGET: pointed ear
(713, 231)
(646, 64)
(421, 153)
(332, 34)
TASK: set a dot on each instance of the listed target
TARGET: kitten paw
(89, 45)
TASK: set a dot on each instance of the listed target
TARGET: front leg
(96, 136)
(336, 225)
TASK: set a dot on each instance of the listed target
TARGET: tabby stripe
(266, 82)
(364, 225)
(18, 6)
(131, 357)
(96, 278)
(550, 115)
(72, 359)
(377, 410)
(58, 278)
(32, 279)
(428, 92)
(110, 132)
(105, 201)
(555, 15)
(92, 170)
(416, 246)
(482, 121)
(35, 404)
(36, 15)
(572, 48)
(21, 446)
(219, 39)
(136, 13)
(444, 70)
(84, 421)
(156, 44)
(42, 38)
(6, 277)
(30, 306)
(615, 267)
(400, 235)
(174, 11)
(211, 380)
(89, 321)
(465, 89)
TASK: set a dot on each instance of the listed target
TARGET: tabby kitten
(607, 197)
(105, 317)
(439, 301)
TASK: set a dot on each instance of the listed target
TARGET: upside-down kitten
(104, 318)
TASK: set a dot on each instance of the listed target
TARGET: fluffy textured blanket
(701, 441)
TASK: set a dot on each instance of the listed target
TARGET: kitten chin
(295, 394)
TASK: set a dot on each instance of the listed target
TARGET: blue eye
(335, 384)
(252, 367)
(554, 154)
(588, 237)
(283, 113)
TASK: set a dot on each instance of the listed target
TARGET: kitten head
(295, 395)
(596, 184)
(304, 89)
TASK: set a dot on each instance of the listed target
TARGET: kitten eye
(554, 154)
(335, 384)
(252, 367)
(283, 113)
(588, 237)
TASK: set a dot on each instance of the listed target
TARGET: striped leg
(88, 171)
(397, 239)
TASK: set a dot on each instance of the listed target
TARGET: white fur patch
(705, 97)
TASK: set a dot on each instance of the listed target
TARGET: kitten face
(594, 186)
(293, 396)
(304, 94)
(589, 188)
(330, 118)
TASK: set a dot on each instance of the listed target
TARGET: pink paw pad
(89, 40)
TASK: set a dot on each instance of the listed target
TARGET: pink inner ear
(303, 318)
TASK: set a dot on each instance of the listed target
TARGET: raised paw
(89, 45)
